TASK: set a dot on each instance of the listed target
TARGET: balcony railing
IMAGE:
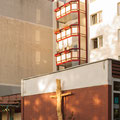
(66, 9)
(67, 56)
(67, 32)
(66, 44)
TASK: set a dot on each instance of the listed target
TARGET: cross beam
(59, 96)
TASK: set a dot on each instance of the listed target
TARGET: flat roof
(28, 78)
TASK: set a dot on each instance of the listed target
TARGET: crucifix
(59, 96)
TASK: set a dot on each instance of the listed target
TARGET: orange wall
(93, 103)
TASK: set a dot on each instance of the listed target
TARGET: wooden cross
(59, 96)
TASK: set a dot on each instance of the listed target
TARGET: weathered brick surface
(93, 103)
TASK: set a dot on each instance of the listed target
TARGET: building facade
(70, 18)
(94, 87)
(91, 97)
(26, 45)
(104, 33)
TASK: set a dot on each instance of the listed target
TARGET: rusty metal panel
(116, 69)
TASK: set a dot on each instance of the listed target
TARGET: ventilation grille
(116, 69)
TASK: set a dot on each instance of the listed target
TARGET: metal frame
(78, 11)
(71, 11)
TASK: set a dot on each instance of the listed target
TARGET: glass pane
(68, 9)
(83, 42)
(95, 43)
(100, 41)
(70, 41)
(94, 19)
(83, 30)
(75, 54)
(60, 45)
(63, 34)
(63, 11)
(83, 1)
(68, 56)
(119, 35)
(82, 19)
(58, 36)
(118, 8)
(57, 46)
(74, 30)
(63, 57)
(92, 1)
(117, 86)
(58, 59)
(74, 6)
(75, 42)
(83, 54)
(68, 32)
(116, 106)
(65, 43)
(82, 6)
(100, 17)
(58, 14)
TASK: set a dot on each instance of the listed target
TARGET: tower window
(92, 1)
(96, 18)
(118, 8)
(119, 35)
(97, 42)
(118, 57)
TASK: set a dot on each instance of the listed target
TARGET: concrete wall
(9, 90)
(35, 11)
(79, 77)
(25, 50)
(108, 28)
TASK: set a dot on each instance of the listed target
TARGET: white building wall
(108, 28)
(78, 77)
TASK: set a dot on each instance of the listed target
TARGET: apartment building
(69, 21)
(94, 88)
(104, 29)
(26, 46)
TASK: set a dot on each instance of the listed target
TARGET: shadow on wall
(83, 104)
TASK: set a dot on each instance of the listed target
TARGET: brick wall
(93, 103)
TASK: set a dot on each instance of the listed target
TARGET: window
(58, 59)
(68, 55)
(63, 57)
(116, 86)
(62, 11)
(119, 35)
(96, 18)
(92, 1)
(68, 32)
(118, 8)
(118, 57)
(65, 43)
(63, 34)
(74, 6)
(58, 14)
(97, 42)
(68, 9)
(58, 36)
